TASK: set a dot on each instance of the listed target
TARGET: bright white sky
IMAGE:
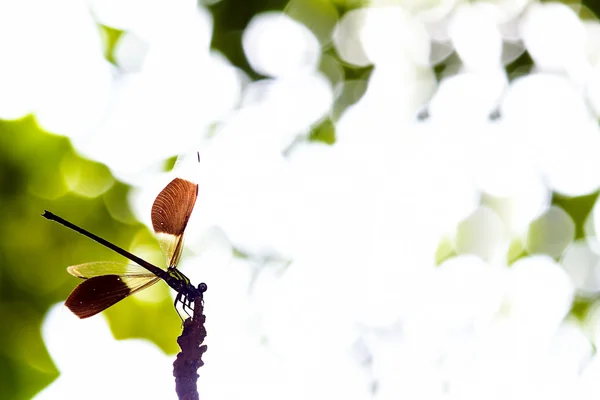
(361, 301)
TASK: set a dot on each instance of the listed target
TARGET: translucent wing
(170, 214)
(106, 283)
(99, 268)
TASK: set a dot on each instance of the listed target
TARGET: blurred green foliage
(324, 132)
(111, 36)
(41, 171)
(578, 208)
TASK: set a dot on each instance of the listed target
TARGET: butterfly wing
(106, 283)
(170, 214)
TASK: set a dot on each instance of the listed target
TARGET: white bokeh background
(341, 295)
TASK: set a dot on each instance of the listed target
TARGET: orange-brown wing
(170, 214)
(106, 283)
